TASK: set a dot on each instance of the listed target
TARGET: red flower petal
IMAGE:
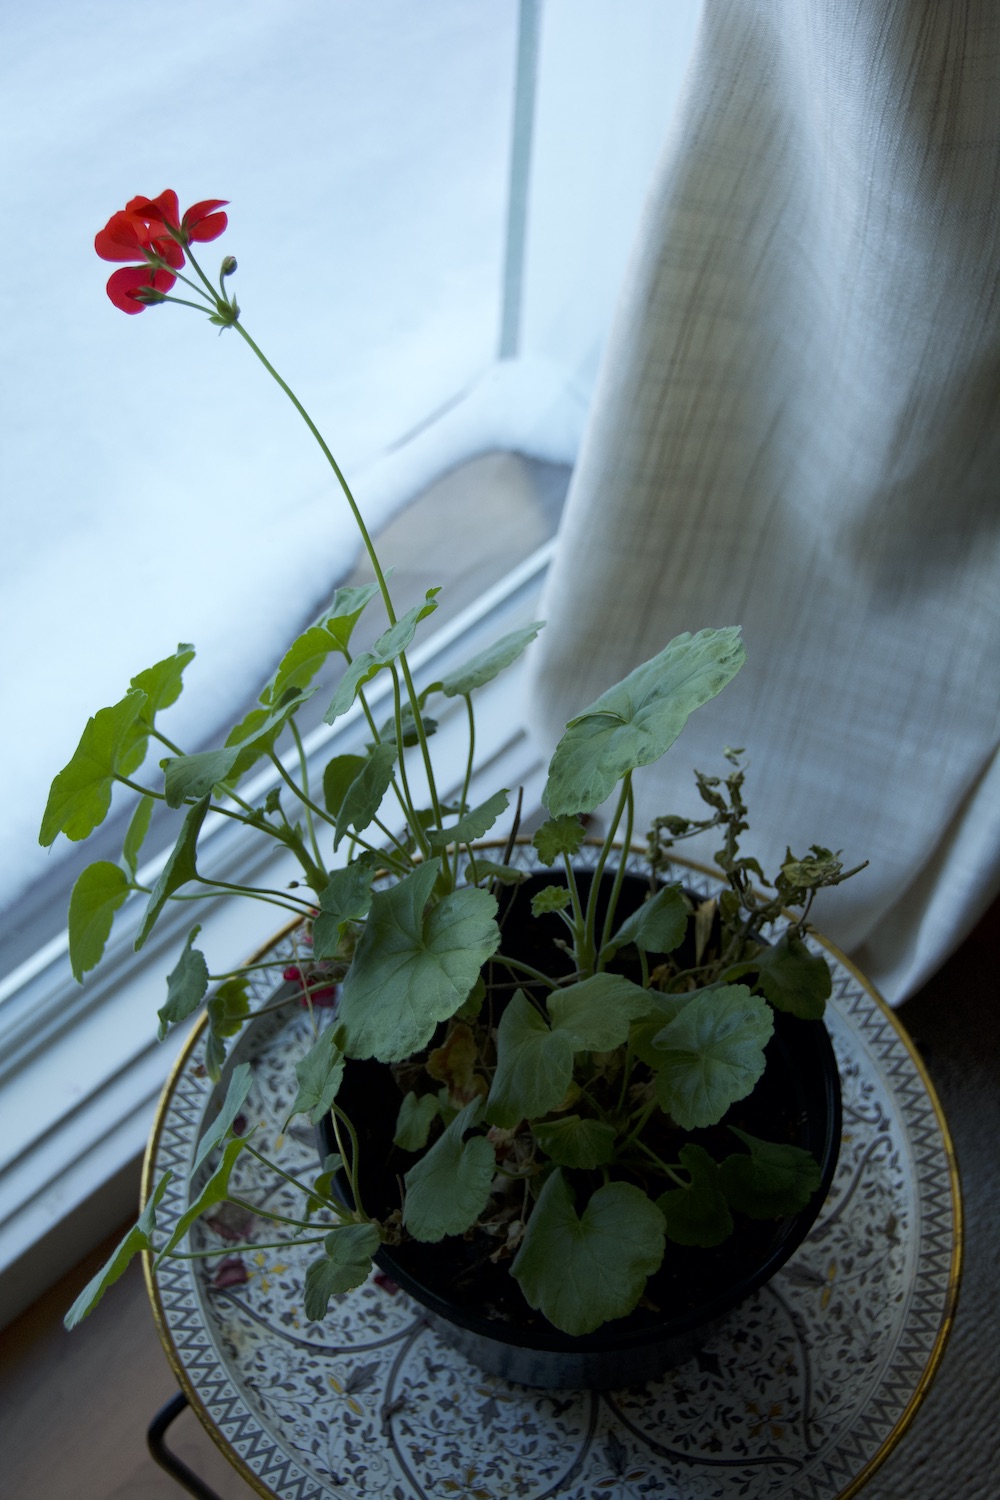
(208, 228)
(203, 214)
(124, 284)
(122, 238)
(165, 208)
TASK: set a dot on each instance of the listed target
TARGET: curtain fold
(796, 429)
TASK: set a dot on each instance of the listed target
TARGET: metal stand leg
(169, 1461)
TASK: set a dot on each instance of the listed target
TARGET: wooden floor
(74, 1408)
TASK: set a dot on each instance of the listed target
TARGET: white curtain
(796, 429)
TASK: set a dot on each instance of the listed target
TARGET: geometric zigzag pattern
(253, 1434)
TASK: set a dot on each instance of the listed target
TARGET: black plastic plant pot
(477, 1307)
(474, 1303)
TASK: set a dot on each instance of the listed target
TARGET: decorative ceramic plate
(801, 1393)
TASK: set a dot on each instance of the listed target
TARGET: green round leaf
(712, 1054)
(638, 719)
(582, 1270)
(415, 964)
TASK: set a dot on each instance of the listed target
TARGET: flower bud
(228, 265)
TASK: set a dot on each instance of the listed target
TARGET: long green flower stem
(369, 547)
(616, 889)
(463, 799)
(294, 1244)
(587, 958)
(304, 772)
(409, 805)
(229, 314)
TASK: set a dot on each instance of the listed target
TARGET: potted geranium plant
(568, 1072)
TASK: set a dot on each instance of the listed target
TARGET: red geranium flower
(201, 222)
(151, 230)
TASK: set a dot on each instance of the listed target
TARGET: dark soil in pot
(485, 1313)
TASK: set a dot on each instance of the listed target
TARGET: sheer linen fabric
(796, 429)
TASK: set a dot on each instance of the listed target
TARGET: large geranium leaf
(774, 1180)
(657, 926)
(386, 649)
(487, 664)
(534, 1066)
(138, 1238)
(712, 1054)
(642, 1036)
(414, 964)
(80, 795)
(635, 722)
(448, 1188)
(697, 1214)
(345, 1265)
(597, 1012)
(178, 870)
(582, 1270)
(99, 891)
